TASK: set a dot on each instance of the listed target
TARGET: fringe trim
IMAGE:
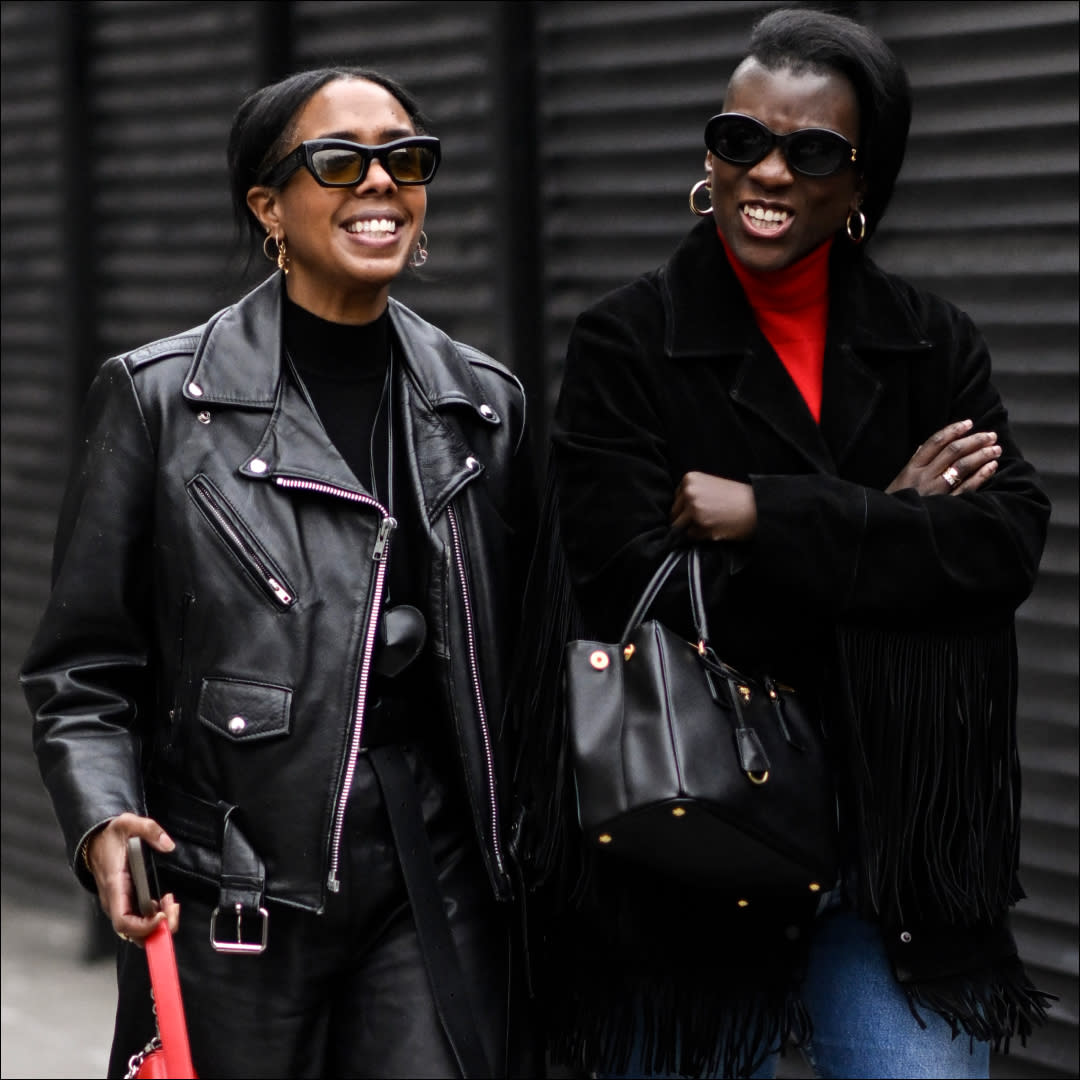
(547, 844)
(666, 1028)
(935, 774)
(994, 1008)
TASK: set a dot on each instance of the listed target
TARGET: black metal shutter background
(163, 80)
(985, 214)
(39, 379)
(442, 53)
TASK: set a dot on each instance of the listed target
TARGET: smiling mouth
(373, 227)
(765, 219)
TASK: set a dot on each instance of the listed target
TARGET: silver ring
(951, 476)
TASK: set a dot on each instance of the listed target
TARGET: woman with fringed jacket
(829, 437)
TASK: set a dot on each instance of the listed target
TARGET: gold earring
(856, 235)
(693, 195)
(271, 255)
(282, 256)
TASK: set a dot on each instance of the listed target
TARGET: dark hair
(803, 39)
(262, 129)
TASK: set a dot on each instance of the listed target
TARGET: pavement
(56, 1008)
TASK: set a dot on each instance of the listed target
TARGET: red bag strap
(165, 981)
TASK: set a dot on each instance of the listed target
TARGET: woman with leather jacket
(286, 581)
(829, 438)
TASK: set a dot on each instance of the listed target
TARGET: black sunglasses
(742, 140)
(339, 163)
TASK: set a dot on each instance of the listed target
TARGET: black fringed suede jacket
(893, 610)
(218, 577)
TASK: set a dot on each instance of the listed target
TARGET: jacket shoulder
(182, 344)
(937, 320)
(487, 369)
(637, 300)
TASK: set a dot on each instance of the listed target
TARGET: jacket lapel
(708, 316)
(870, 326)
(437, 383)
(762, 386)
(238, 364)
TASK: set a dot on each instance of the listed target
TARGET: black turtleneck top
(342, 369)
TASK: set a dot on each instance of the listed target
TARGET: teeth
(759, 214)
(377, 225)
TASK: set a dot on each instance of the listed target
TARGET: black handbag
(689, 767)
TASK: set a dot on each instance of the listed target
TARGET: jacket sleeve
(614, 482)
(859, 554)
(86, 674)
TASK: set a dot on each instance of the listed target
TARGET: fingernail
(966, 423)
(166, 842)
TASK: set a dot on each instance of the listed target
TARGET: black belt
(241, 873)
(445, 976)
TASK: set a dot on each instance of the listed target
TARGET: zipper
(380, 556)
(474, 670)
(267, 577)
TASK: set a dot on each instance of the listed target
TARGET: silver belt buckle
(239, 945)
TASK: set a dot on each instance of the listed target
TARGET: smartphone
(140, 876)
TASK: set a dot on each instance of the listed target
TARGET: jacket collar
(239, 363)
(707, 315)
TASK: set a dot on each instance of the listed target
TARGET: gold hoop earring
(693, 195)
(860, 219)
(278, 255)
(420, 252)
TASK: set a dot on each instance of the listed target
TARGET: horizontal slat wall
(163, 81)
(441, 52)
(986, 215)
(39, 376)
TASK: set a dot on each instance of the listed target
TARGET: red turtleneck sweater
(791, 307)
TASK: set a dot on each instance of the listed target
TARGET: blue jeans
(862, 1024)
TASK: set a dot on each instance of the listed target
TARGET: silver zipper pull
(278, 591)
(388, 525)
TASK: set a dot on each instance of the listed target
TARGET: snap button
(905, 937)
(237, 724)
(472, 464)
(204, 417)
(487, 412)
(257, 465)
(194, 389)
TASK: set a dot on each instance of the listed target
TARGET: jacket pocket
(244, 711)
(237, 537)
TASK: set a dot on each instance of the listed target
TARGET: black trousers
(344, 993)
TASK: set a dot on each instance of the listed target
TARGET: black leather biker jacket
(218, 576)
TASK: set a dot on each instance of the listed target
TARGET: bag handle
(656, 583)
(168, 1004)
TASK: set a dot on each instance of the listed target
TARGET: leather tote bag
(691, 768)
